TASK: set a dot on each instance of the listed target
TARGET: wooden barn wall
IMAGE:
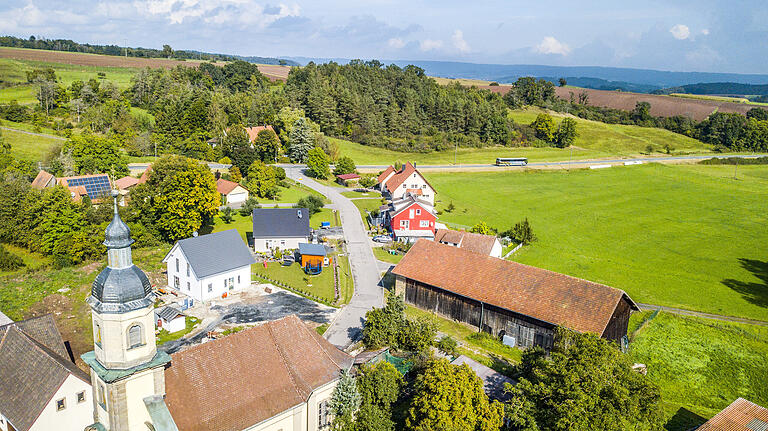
(617, 326)
(496, 321)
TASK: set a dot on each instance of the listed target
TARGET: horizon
(686, 37)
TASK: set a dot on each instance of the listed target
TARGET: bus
(511, 161)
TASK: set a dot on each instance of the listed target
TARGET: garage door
(237, 197)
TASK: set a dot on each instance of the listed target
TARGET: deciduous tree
(317, 164)
(267, 146)
(566, 133)
(544, 126)
(261, 180)
(344, 165)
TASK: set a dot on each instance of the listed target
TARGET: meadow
(27, 146)
(687, 236)
(696, 365)
(596, 140)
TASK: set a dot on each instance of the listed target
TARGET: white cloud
(430, 44)
(680, 31)
(395, 43)
(222, 12)
(550, 45)
(459, 43)
(705, 32)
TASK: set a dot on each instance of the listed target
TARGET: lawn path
(683, 312)
(347, 327)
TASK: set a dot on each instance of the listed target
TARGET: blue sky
(684, 35)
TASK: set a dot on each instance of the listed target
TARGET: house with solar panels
(95, 186)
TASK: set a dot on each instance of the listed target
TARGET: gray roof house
(38, 379)
(283, 228)
(208, 266)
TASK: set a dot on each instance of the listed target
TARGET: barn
(517, 302)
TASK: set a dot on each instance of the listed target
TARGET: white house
(231, 192)
(408, 180)
(283, 228)
(475, 242)
(170, 319)
(41, 388)
(209, 266)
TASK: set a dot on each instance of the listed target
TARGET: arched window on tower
(97, 334)
(135, 336)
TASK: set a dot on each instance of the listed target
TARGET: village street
(347, 327)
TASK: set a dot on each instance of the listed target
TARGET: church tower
(126, 367)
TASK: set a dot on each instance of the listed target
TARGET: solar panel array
(97, 187)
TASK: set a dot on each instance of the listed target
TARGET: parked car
(382, 238)
(288, 260)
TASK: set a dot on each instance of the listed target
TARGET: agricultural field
(718, 98)
(29, 146)
(696, 366)
(687, 236)
(596, 140)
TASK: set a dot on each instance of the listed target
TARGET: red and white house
(397, 184)
(411, 218)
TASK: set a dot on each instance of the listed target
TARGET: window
(102, 397)
(81, 397)
(231, 283)
(187, 285)
(405, 186)
(176, 282)
(405, 223)
(238, 279)
(418, 211)
(97, 334)
(177, 264)
(424, 223)
(61, 404)
(210, 287)
(135, 337)
(187, 270)
(323, 416)
(410, 213)
(414, 175)
(423, 186)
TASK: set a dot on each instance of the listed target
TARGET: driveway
(347, 327)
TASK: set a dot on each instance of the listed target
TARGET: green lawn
(13, 71)
(345, 279)
(320, 285)
(367, 204)
(243, 224)
(686, 236)
(325, 214)
(29, 147)
(291, 194)
(384, 256)
(595, 140)
(361, 194)
(164, 336)
(702, 365)
(32, 261)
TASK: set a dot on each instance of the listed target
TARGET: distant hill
(718, 88)
(615, 77)
(604, 84)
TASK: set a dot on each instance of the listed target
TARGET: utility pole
(735, 168)
(570, 156)
(455, 152)
(126, 48)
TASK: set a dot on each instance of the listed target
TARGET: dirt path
(33, 133)
(683, 312)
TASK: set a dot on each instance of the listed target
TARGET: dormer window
(135, 336)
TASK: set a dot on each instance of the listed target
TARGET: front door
(231, 283)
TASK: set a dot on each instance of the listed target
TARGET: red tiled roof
(248, 377)
(348, 176)
(548, 296)
(42, 179)
(474, 242)
(383, 176)
(126, 182)
(253, 132)
(225, 187)
(397, 180)
(413, 201)
(737, 416)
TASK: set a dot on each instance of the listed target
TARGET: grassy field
(320, 285)
(361, 194)
(383, 255)
(13, 71)
(595, 140)
(29, 147)
(364, 205)
(718, 98)
(683, 236)
(164, 336)
(698, 366)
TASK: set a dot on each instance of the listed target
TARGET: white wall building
(396, 184)
(475, 242)
(283, 228)
(231, 192)
(209, 266)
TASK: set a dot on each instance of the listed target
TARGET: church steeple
(126, 366)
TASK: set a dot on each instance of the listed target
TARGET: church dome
(121, 290)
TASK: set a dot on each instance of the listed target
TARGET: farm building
(313, 257)
(231, 192)
(347, 179)
(410, 218)
(478, 243)
(282, 228)
(41, 388)
(96, 187)
(740, 415)
(209, 266)
(518, 303)
(396, 184)
(170, 319)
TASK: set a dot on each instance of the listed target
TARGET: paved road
(347, 327)
(144, 166)
(33, 133)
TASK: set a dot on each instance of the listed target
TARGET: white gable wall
(264, 245)
(303, 417)
(190, 285)
(74, 416)
(237, 195)
(415, 181)
(496, 249)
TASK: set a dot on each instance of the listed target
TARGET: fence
(511, 252)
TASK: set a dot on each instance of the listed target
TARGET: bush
(9, 261)
(521, 232)
(248, 206)
(311, 202)
(448, 345)
(226, 215)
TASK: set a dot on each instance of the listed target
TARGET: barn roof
(348, 176)
(126, 182)
(215, 253)
(253, 132)
(548, 296)
(225, 187)
(475, 242)
(741, 415)
(33, 365)
(265, 370)
(42, 179)
(383, 176)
